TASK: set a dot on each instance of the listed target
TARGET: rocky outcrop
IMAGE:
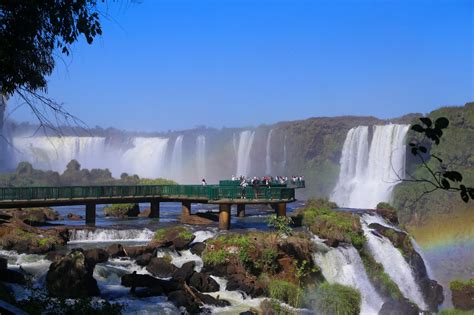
(403, 307)
(199, 219)
(431, 290)
(32, 216)
(122, 210)
(71, 277)
(95, 256)
(203, 282)
(116, 250)
(177, 237)
(463, 294)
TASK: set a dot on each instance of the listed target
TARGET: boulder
(144, 259)
(32, 216)
(198, 248)
(241, 282)
(181, 299)
(71, 277)
(203, 282)
(135, 280)
(463, 295)
(116, 250)
(124, 210)
(178, 237)
(403, 307)
(95, 256)
(135, 251)
(161, 267)
(185, 272)
(74, 217)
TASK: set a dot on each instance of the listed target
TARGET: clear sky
(177, 64)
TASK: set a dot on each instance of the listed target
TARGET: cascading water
(3, 138)
(110, 235)
(343, 265)
(394, 264)
(146, 158)
(284, 155)
(243, 155)
(368, 175)
(54, 153)
(201, 156)
(177, 159)
(268, 158)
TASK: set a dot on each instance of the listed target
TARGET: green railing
(211, 192)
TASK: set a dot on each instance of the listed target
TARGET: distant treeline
(26, 175)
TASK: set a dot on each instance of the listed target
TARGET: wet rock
(95, 256)
(297, 248)
(177, 237)
(182, 299)
(116, 250)
(332, 242)
(161, 267)
(33, 216)
(135, 251)
(199, 219)
(432, 292)
(210, 300)
(71, 277)
(203, 282)
(198, 248)
(124, 210)
(144, 259)
(12, 276)
(135, 280)
(185, 272)
(463, 296)
(74, 217)
(403, 307)
(241, 282)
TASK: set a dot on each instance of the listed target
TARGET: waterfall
(243, 156)
(394, 265)
(368, 175)
(177, 159)
(201, 157)
(53, 153)
(3, 136)
(268, 159)
(284, 156)
(146, 158)
(343, 265)
(110, 235)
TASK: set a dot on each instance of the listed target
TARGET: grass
(215, 256)
(460, 285)
(337, 299)
(176, 231)
(285, 291)
(455, 312)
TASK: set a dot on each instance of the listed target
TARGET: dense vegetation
(26, 175)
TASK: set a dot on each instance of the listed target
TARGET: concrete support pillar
(154, 209)
(224, 216)
(186, 208)
(241, 210)
(281, 209)
(90, 214)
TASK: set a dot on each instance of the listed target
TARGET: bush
(337, 299)
(285, 291)
(281, 224)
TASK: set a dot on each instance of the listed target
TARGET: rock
(116, 250)
(403, 307)
(433, 293)
(181, 299)
(241, 282)
(135, 251)
(74, 217)
(203, 283)
(71, 277)
(3, 263)
(32, 216)
(332, 242)
(95, 256)
(178, 237)
(198, 248)
(389, 214)
(135, 280)
(185, 272)
(463, 295)
(199, 219)
(297, 248)
(161, 267)
(12, 276)
(122, 210)
(144, 259)
(210, 300)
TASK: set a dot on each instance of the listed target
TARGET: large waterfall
(147, 157)
(343, 265)
(201, 156)
(369, 173)
(268, 158)
(177, 159)
(243, 152)
(3, 138)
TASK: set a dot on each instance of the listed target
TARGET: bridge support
(241, 210)
(186, 208)
(90, 214)
(154, 209)
(281, 209)
(224, 216)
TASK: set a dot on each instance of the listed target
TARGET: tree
(32, 33)
(441, 176)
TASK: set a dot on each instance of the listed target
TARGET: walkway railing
(211, 192)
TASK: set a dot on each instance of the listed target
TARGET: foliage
(377, 275)
(39, 303)
(121, 209)
(176, 231)
(155, 181)
(385, 206)
(442, 176)
(286, 292)
(455, 312)
(281, 224)
(460, 285)
(337, 299)
(305, 269)
(330, 224)
(215, 256)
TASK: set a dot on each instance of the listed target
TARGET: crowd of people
(268, 180)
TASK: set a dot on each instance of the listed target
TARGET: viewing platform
(223, 195)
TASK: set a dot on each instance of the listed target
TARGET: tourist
(243, 193)
(203, 182)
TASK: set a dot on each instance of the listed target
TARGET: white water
(343, 265)
(201, 157)
(394, 265)
(177, 159)
(146, 158)
(243, 155)
(368, 174)
(110, 235)
(268, 158)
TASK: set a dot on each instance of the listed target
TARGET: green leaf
(426, 121)
(441, 123)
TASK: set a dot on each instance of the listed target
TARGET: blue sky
(177, 64)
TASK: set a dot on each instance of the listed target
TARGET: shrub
(281, 224)
(285, 291)
(337, 299)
